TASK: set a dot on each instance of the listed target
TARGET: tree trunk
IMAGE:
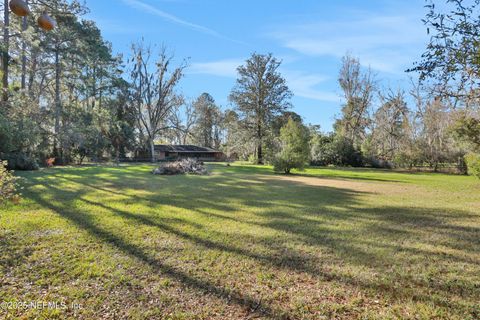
(6, 47)
(259, 142)
(94, 88)
(24, 53)
(32, 72)
(152, 150)
(58, 105)
(259, 154)
(100, 94)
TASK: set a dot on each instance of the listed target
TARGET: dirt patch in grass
(384, 188)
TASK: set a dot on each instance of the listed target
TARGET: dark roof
(183, 148)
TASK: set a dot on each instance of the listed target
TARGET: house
(175, 152)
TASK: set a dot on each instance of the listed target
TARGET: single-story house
(175, 152)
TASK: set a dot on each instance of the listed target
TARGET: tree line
(67, 97)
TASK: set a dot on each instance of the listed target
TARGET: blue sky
(310, 36)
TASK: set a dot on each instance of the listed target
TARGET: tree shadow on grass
(12, 253)
(385, 250)
(83, 222)
(307, 213)
(197, 195)
(197, 205)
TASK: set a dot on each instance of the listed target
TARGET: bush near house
(21, 161)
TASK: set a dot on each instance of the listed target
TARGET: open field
(243, 243)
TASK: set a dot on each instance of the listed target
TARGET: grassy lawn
(242, 243)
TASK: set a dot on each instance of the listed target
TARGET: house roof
(183, 148)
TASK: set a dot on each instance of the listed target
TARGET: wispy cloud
(386, 43)
(306, 85)
(221, 68)
(140, 5)
(143, 6)
(115, 27)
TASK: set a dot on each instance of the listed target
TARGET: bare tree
(358, 90)
(154, 91)
(183, 121)
(391, 124)
(433, 119)
(238, 141)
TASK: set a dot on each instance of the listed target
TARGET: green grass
(242, 243)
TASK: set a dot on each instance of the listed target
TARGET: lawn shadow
(308, 214)
(13, 253)
(84, 222)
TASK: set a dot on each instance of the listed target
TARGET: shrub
(21, 161)
(473, 164)
(8, 186)
(378, 163)
(184, 166)
(335, 150)
(346, 152)
(322, 151)
(403, 159)
(252, 159)
(295, 149)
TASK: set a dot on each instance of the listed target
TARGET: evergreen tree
(260, 94)
(294, 147)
